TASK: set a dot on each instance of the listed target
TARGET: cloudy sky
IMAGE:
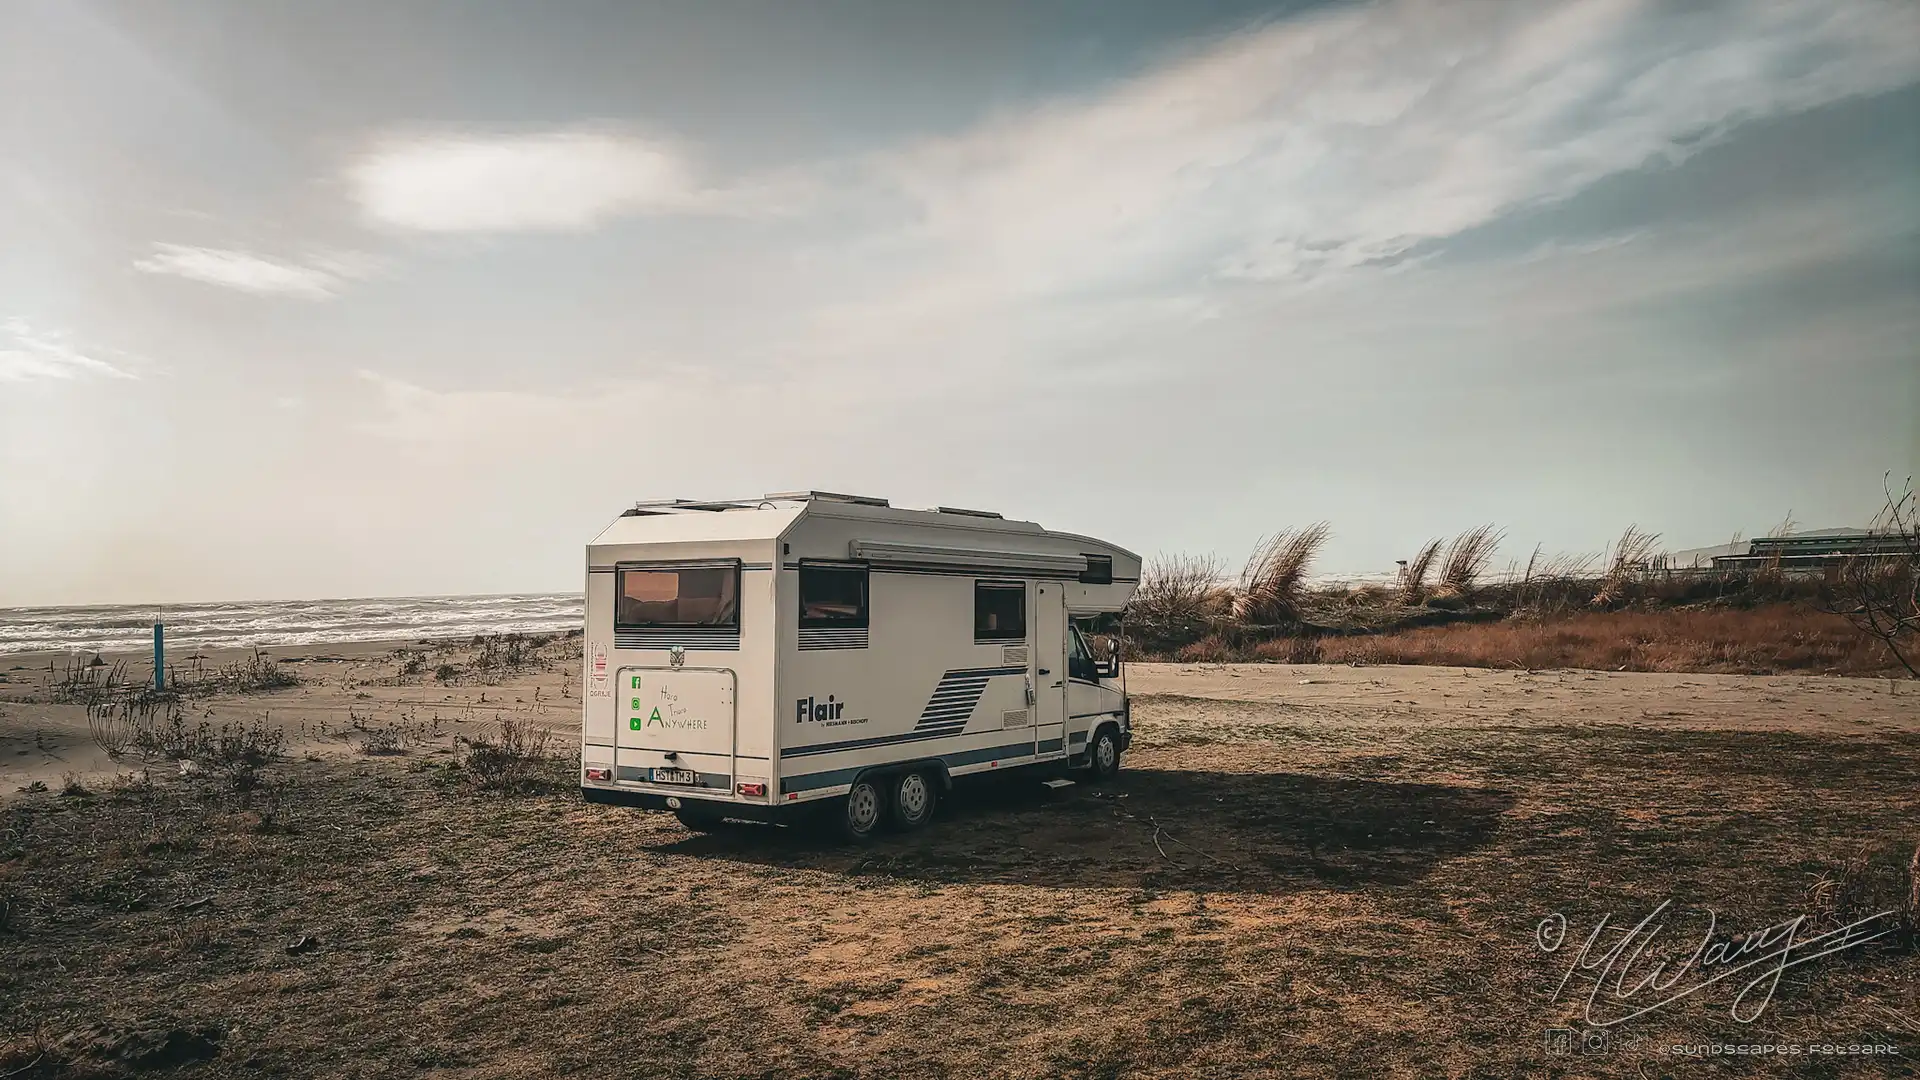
(366, 298)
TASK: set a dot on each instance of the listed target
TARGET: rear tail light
(599, 774)
(754, 790)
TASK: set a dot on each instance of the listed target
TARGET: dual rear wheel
(903, 800)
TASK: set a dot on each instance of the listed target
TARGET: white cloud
(318, 278)
(29, 355)
(553, 181)
(1347, 139)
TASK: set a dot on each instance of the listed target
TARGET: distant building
(1811, 550)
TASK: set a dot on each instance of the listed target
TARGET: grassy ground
(1268, 889)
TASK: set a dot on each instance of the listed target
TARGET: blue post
(159, 656)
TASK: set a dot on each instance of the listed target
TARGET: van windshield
(678, 596)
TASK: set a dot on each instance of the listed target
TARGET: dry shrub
(1178, 601)
(1289, 650)
(1413, 580)
(514, 761)
(1766, 640)
(1271, 583)
(1467, 559)
(1879, 882)
(1880, 594)
(1208, 650)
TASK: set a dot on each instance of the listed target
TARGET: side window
(833, 596)
(999, 611)
(1099, 570)
(1080, 664)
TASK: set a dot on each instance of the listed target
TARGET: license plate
(675, 776)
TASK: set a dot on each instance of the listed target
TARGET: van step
(1059, 782)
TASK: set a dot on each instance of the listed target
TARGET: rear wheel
(914, 797)
(863, 810)
(1103, 755)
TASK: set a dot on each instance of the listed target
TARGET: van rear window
(678, 596)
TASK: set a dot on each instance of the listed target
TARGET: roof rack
(828, 496)
(674, 506)
(677, 506)
(969, 513)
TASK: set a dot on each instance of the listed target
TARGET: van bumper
(650, 800)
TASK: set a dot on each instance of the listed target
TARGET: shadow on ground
(1155, 828)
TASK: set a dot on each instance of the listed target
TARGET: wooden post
(159, 656)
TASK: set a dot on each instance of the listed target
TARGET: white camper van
(750, 659)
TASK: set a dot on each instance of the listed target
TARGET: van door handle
(1044, 671)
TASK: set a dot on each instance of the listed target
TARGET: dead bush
(515, 760)
(1178, 601)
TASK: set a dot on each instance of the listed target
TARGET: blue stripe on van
(836, 777)
(956, 696)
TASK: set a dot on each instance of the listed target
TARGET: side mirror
(1106, 669)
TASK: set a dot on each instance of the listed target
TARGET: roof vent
(968, 513)
(828, 496)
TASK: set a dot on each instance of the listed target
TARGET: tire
(699, 820)
(1103, 754)
(915, 794)
(864, 810)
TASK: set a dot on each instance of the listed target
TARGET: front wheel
(863, 810)
(1103, 757)
(913, 800)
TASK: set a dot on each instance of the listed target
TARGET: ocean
(287, 622)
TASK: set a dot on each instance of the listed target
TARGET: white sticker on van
(597, 672)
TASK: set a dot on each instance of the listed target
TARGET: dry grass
(1774, 639)
(1630, 557)
(1413, 580)
(1270, 585)
(1466, 560)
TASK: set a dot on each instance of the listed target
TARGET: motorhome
(833, 654)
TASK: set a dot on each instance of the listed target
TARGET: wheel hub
(913, 796)
(863, 806)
